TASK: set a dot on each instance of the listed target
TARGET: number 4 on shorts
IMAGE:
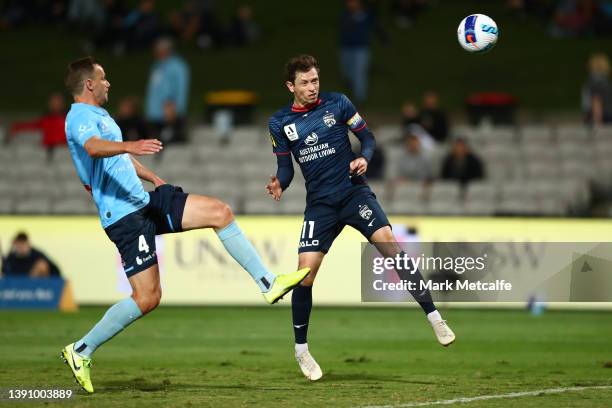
(142, 244)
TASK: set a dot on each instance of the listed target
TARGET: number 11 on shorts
(306, 226)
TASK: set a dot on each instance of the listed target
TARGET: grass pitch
(227, 357)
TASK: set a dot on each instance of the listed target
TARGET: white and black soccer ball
(477, 33)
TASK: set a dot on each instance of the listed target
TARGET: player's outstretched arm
(146, 173)
(97, 147)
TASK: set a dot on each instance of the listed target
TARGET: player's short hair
(78, 72)
(300, 63)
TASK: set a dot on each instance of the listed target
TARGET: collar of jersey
(307, 107)
(93, 108)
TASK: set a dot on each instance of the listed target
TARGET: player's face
(305, 88)
(99, 85)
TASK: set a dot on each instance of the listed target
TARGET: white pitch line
(488, 397)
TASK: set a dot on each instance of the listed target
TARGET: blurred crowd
(568, 18)
(122, 26)
(162, 111)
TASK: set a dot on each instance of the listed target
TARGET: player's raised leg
(146, 294)
(385, 242)
(301, 305)
(207, 212)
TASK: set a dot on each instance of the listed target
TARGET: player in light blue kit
(131, 217)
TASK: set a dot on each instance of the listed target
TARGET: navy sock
(423, 297)
(301, 305)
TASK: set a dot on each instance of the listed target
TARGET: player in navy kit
(314, 129)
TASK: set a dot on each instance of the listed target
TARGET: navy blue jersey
(317, 137)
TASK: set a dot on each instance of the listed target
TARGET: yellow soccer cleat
(80, 367)
(283, 284)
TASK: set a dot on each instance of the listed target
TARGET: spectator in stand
(537, 8)
(356, 25)
(416, 165)
(141, 26)
(15, 13)
(244, 30)
(86, 15)
(597, 92)
(111, 31)
(197, 21)
(410, 114)
(51, 124)
(130, 120)
(26, 261)
(406, 11)
(572, 18)
(434, 119)
(185, 23)
(167, 94)
(411, 125)
(461, 164)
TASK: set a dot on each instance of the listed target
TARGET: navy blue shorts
(134, 234)
(324, 219)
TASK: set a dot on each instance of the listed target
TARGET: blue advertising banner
(26, 293)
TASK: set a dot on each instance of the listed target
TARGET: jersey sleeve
(350, 116)
(280, 144)
(83, 128)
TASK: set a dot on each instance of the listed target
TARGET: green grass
(226, 357)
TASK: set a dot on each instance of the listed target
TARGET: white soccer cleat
(309, 366)
(444, 333)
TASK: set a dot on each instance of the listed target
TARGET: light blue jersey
(112, 181)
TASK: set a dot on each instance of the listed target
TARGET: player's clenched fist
(144, 147)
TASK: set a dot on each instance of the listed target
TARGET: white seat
(78, 206)
(577, 133)
(540, 135)
(6, 204)
(38, 205)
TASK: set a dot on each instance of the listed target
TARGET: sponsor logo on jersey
(329, 119)
(291, 132)
(365, 212)
(84, 128)
(104, 126)
(312, 139)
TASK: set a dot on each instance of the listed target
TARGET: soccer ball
(477, 33)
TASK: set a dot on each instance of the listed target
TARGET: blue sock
(243, 252)
(117, 317)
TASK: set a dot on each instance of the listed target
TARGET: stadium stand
(530, 170)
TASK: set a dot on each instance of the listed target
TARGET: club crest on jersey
(365, 212)
(291, 132)
(312, 139)
(329, 119)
